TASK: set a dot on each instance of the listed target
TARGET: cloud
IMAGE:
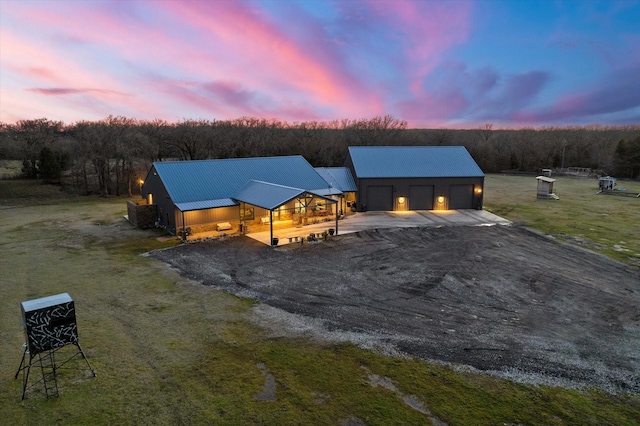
(454, 92)
(305, 61)
(64, 91)
(268, 60)
(231, 93)
(519, 91)
(308, 66)
(37, 68)
(617, 93)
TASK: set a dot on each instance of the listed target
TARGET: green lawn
(10, 168)
(171, 351)
(604, 223)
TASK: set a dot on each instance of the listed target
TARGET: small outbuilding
(607, 183)
(545, 188)
(397, 178)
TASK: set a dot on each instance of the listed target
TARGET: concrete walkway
(372, 220)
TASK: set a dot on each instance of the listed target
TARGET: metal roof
(200, 180)
(413, 161)
(205, 204)
(545, 179)
(267, 195)
(338, 177)
(326, 192)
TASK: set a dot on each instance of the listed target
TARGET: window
(246, 213)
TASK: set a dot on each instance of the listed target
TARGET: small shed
(606, 183)
(545, 188)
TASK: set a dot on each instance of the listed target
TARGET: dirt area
(500, 299)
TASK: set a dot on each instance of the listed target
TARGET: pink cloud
(429, 29)
(242, 40)
(45, 67)
(62, 91)
(225, 59)
(251, 42)
(210, 43)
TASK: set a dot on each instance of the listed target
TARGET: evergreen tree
(627, 158)
(49, 166)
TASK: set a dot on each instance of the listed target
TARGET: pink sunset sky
(457, 64)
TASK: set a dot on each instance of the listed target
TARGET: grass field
(171, 351)
(10, 169)
(604, 223)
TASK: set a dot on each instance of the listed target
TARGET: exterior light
(440, 199)
(401, 200)
(478, 190)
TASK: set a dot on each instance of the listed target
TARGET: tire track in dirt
(500, 299)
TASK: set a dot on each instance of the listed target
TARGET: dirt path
(499, 299)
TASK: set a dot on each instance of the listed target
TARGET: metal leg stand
(25, 368)
(48, 366)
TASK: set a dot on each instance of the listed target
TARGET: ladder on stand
(49, 377)
(46, 360)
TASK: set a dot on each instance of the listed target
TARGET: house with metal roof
(397, 178)
(237, 194)
(341, 179)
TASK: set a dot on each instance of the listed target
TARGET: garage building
(397, 178)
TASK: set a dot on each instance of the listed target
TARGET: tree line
(110, 156)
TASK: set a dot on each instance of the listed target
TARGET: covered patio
(285, 207)
(259, 207)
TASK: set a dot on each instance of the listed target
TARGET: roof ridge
(205, 160)
(272, 184)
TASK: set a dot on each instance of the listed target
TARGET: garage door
(380, 198)
(420, 197)
(461, 197)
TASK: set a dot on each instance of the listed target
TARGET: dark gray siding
(165, 208)
(421, 197)
(401, 187)
(379, 198)
(461, 197)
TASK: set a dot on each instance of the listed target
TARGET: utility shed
(397, 178)
(607, 183)
(545, 188)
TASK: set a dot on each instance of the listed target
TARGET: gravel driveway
(501, 299)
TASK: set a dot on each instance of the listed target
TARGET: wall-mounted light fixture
(478, 190)
(440, 199)
(401, 200)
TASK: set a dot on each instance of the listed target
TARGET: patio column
(271, 227)
(184, 228)
(337, 217)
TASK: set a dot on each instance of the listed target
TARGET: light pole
(564, 145)
(140, 182)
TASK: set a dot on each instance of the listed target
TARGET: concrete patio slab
(372, 220)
